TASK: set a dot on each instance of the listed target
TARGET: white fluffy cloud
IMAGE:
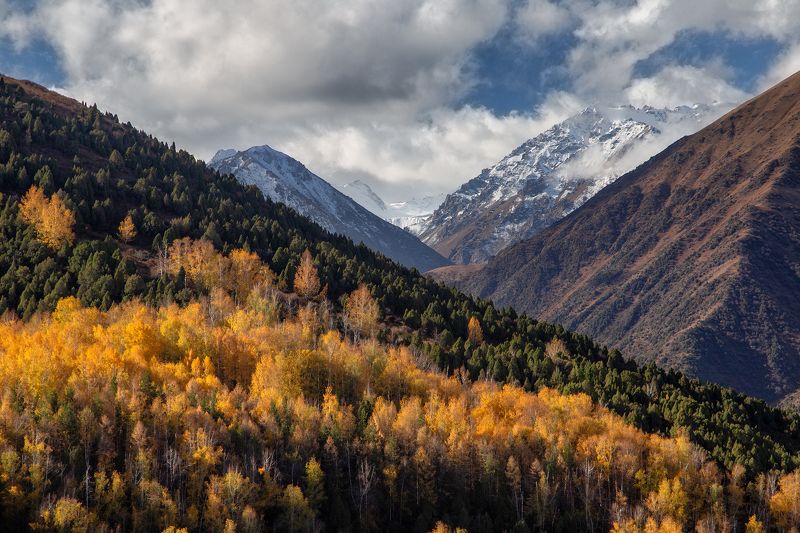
(429, 156)
(613, 37)
(293, 74)
(784, 66)
(369, 88)
(539, 18)
(682, 85)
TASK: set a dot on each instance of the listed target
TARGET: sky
(413, 97)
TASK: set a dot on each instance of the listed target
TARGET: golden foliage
(51, 219)
(474, 331)
(754, 526)
(441, 527)
(362, 312)
(202, 264)
(241, 273)
(306, 279)
(127, 229)
(785, 504)
(184, 387)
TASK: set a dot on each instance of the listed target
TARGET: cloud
(786, 64)
(610, 38)
(371, 88)
(613, 37)
(434, 155)
(302, 75)
(680, 85)
(540, 18)
(172, 58)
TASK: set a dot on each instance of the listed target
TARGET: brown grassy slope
(691, 260)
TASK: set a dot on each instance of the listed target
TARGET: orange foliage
(474, 331)
(52, 220)
(240, 273)
(362, 312)
(306, 279)
(127, 229)
(785, 504)
(185, 381)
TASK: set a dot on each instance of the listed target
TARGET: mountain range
(412, 215)
(550, 175)
(179, 351)
(286, 180)
(692, 260)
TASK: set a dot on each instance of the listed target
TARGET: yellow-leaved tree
(306, 279)
(127, 229)
(246, 272)
(474, 331)
(51, 219)
(785, 504)
(361, 312)
(202, 264)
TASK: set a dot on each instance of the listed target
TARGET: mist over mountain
(552, 174)
(412, 214)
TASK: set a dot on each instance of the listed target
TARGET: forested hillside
(95, 209)
(218, 417)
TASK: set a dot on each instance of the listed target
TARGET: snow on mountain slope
(551, 175)
(286, 180)
(365, 197)
(411, 215)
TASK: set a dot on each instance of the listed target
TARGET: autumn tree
(474, 331)
(361, 312)
(785, 504)
(203, 265)
(246, 273)
(228, 497)
(441, 527)
(754, 526)
(297, 512)
(315, 485)
(127, 229)
(306, 280)
(33, 205)
(224, 418)
(51, 219)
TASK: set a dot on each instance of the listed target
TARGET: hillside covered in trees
(220, 417)
(97, 210)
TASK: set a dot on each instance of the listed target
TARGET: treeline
(132, 197)
(219, 417)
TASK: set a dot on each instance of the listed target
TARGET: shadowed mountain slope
(692, 260)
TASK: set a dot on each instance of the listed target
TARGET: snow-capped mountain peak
(550, 175)
(222, 154)
(410, 215)
(288, 181)
(364, 195)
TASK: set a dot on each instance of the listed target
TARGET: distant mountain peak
(550, 175)
(411, 215)
(285, 179)
(364, 195)
(225, 153)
